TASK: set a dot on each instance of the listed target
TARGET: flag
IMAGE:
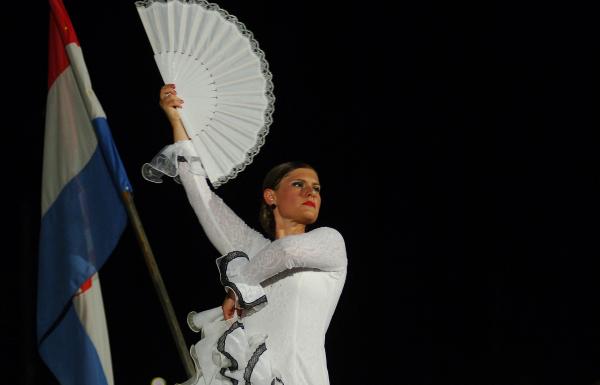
(83, 215)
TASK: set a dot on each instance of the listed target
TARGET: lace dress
(289, 289)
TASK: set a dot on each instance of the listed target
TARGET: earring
(272, 206)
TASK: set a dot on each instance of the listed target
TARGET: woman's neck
(289, 228)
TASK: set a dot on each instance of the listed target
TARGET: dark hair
(271, 181)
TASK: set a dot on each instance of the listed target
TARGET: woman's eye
(298, 184)
(317, 189)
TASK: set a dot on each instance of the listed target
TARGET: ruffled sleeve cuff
(247, 296)
(167, 162)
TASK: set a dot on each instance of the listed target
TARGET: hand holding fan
(222, 76)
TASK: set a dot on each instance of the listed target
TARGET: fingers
(227, 314)
(165, 93)
(167, 90)
(172, 101)
(227, 311)
(169, 87)
(228, 307)
(169, 98)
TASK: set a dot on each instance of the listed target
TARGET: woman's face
(298, 196)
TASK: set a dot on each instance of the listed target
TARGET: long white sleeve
(225, 230)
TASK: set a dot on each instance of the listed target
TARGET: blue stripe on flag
(74, 358)
(78, 233)
(111, 155)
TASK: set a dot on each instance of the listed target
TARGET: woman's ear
(269, 196)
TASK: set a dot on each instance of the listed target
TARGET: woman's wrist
(179, 131)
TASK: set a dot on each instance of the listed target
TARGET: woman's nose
(309, 191)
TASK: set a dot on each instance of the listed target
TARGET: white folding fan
(220, 73)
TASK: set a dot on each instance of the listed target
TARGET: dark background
(458, 157)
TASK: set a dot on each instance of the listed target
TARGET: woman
(281, 293)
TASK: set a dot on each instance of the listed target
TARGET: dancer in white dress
(281, 293)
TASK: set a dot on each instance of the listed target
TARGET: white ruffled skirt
(227, 354)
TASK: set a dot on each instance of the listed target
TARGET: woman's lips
(309, 203)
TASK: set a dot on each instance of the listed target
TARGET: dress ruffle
(166, 162)
(247, 296)
(226, 354)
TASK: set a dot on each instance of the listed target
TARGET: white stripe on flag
(84, 83)
(70, 139)
(89, 306)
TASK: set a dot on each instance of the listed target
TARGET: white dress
(289, 287)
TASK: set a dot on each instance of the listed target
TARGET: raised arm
(225, 230)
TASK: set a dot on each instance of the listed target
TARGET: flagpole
(159, 285)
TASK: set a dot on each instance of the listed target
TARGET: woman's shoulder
(328, 232)
(317, 235)
(325, 229)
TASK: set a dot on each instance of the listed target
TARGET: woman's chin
(309, 219)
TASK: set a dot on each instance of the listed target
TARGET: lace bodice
(322, 249)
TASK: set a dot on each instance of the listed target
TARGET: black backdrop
(456, 150)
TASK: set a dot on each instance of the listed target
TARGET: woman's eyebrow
(304, 180)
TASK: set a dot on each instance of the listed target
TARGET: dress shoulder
(329, 233)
